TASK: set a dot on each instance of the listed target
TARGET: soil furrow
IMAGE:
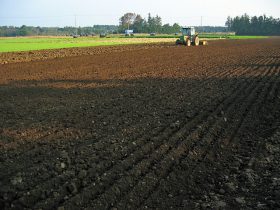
(66, 176)
(162, 150)
(193, 150)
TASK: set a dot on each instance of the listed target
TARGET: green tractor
(189, 37)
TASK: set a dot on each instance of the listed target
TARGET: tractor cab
(190, 31)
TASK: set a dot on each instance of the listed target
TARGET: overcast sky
(91, 12)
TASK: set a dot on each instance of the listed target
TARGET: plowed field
(141, 127)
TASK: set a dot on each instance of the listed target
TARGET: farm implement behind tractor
(189, 37)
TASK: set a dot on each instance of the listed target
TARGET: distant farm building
(128, 32)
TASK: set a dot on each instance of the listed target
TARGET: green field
(39, 43)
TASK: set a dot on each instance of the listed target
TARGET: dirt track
(143, 127)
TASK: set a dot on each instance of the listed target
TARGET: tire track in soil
(235, 127)
(272, 89)
(264, 95)
(264, 192)
(252, 144)
(59, 179)
(85, 193)
(204, 153)
(270, 95)
(208, 136)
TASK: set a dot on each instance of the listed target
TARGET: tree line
(155, 25)
(10, 31)
(151, 25)
(246, 25)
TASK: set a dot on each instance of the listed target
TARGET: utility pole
(76, 24)
(201, 23)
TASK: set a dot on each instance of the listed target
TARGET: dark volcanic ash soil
(142, 127)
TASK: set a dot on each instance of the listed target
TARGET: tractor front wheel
(196, 41)
(188, 42)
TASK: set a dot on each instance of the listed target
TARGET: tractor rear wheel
(196, 41)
